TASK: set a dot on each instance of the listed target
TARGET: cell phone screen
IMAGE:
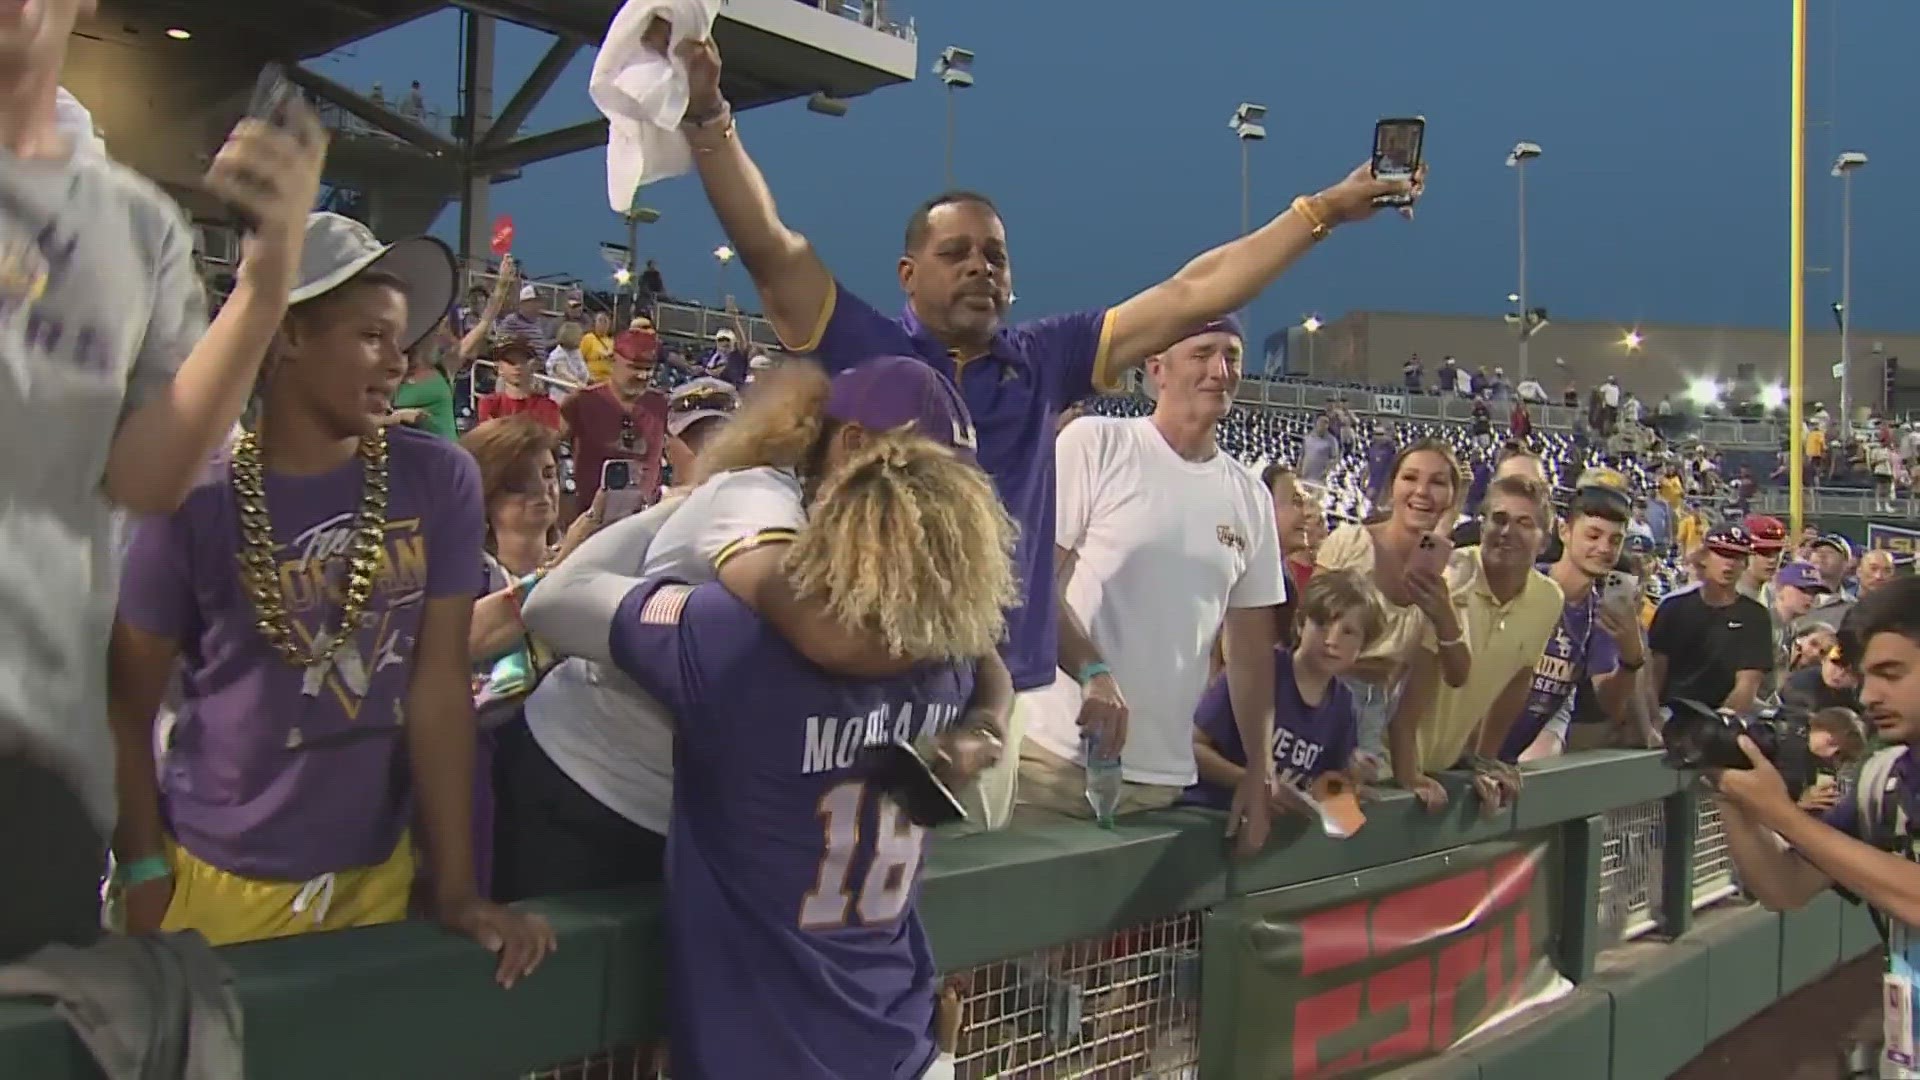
(616, 475)
(1397, 147)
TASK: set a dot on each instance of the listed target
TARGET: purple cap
(1802, 575)
(891, 392)
(1228, 323)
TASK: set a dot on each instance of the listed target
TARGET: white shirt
(1610, 394)
(1531, 390)
(608, 735)
(568, 364)
(1163, 547)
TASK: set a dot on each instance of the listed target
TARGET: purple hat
(1228, 323)
(1802, 575)
(1729, 540)
(892, 392)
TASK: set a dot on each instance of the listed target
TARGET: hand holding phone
(617, 485)
(1399, 147)
(268, 176)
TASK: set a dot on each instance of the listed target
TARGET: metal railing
(868, 13)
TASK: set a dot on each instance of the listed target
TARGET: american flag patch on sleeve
(663, 608)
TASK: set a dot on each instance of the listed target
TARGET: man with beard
(956, 271)
(1507, 610)
(624, 418)
(1862, 846)
(1710, 644)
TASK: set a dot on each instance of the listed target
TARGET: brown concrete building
(1371, 346)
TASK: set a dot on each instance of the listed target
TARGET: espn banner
(1894, 538)
(1391, 404)
(1393, 975)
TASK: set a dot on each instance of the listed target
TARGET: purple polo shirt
(794, 943)
(1033, 371)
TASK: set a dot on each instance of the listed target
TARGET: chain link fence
(1127, 1006)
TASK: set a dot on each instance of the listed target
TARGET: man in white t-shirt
(1160, 537)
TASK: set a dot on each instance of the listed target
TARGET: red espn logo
(1486, 914)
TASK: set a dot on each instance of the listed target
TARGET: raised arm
(1228, 277)
(189, 381)
(795, 286)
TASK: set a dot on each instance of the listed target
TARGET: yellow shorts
(227, 908)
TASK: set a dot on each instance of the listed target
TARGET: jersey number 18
(895, 861)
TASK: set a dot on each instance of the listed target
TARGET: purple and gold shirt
(794, 944)
(1033, 371)
(275, 772)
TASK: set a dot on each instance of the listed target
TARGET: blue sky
(1100, 127)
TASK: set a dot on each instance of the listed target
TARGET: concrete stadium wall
(1371, 346)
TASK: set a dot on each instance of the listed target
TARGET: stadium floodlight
(1248, 125)
(1632, 340)
(1517, 159)
(1249, 121)
(1773, 396)
(1704, 392)
(1312, 324)
(1843, 168)
(955, 68)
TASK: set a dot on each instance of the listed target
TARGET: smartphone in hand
(273, 92)
(1399, 147)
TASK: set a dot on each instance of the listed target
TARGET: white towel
(644, 95)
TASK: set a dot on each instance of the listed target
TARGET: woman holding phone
(1405, 554)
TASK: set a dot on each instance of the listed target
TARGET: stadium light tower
(955, 68)
(1517, 159)
(1249, 124)
(1843, 169)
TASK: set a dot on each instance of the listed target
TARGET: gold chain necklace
(262, 576)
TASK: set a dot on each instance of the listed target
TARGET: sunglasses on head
(627, 436)
(706, 399)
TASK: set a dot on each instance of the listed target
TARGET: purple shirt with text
(259, 778)
(795, 948)
(1307, 739)
(1034, 370)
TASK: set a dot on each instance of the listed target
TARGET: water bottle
(1103, 779)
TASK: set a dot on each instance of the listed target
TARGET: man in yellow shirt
(596, 347)
(1507, 610)
(1691, 530)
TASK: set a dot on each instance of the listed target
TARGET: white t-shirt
(1163, 546)
(608, 735)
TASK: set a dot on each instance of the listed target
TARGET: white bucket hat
(338, 249)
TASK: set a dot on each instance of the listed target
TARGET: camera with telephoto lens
(1698, 737)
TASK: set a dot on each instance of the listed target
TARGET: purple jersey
(1307, 739)
(1579, 648)
(794, 944)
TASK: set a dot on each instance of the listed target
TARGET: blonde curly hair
(780, 423)
(909, 544)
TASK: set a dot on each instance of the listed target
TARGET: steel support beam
(536, 148)
(410, 131)
(476, 103)
(528, 97)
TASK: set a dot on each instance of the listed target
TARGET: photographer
(1862, 844)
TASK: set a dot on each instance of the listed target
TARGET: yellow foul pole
(1797, 276)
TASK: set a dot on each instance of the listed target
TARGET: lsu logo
(1231, 539)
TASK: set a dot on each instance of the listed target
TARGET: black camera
(1698, 737)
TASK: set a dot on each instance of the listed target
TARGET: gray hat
(338, 249)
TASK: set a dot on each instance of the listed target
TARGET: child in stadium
(1316, 728)
(792, 914)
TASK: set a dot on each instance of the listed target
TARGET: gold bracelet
(1304, 206)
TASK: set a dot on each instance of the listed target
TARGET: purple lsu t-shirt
(1579, 646)
(260, 778)
(1034, 370)
(794, 941)
(1307, 739)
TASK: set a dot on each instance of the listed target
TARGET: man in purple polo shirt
(958, 278)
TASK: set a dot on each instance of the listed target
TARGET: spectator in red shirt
(624, 417)
(1520, 422)
(517, 389)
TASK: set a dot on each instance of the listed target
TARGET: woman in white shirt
(566, 363)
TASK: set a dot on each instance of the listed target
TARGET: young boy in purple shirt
(315, 593)
(1315, 727)
(794, 946)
